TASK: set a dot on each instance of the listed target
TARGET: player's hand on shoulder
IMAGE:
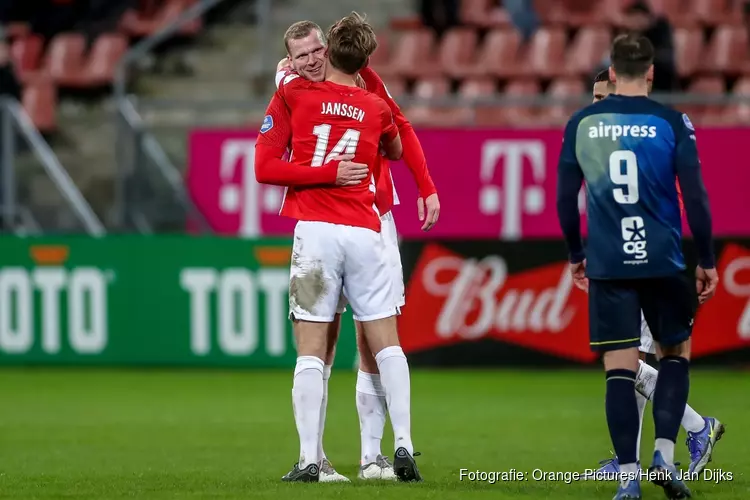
(349, 173)
(578, 271)
(429, 211)
(706, 281)
(284, 64)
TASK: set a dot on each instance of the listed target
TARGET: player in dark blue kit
(629, 149)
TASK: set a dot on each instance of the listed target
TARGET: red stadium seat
(413, 53)
(545, 54)
(39, 99)
(432, 114)
(147, 21)
(740, 112)
(726, 51)
(679, 13)
(512, 114)
(713, 12)
(431, 88)
(483, 14)
(578, 13)
(588, 50)
(563, 88)
(406, 23)
(395, 86)
(705, 114)
(477, 88)
(16, 30)
(105, 54)
(688, 44)
(456, 51)
(453, 116)
(496, 57)
(26, 54)
(383, 52)
(65, 60)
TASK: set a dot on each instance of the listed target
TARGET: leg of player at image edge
(703, 432)
(372, 408)
(327, 473)
(670, 398)
(394, 375)
(307, 396)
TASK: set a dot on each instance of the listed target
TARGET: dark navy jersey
(630, 151)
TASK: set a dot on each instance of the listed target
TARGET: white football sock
(641, 400)
(394, 375)
(645, 383)
(323, 407)
(666, 447)
(371, 407)
(628, 472)
(692, 421)
(307, 395)
(645, 379)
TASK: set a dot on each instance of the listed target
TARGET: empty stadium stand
(70, 61)
(712, 55)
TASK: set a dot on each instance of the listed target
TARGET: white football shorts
(647, 340)
(393, 256)
(331, 260)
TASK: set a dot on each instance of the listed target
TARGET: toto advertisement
(493, 184)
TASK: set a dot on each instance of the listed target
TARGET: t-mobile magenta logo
(519, 194)
(242, 194)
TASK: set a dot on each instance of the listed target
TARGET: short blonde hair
(351, 41)
(301, 29)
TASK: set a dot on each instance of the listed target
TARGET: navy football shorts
(668, 305)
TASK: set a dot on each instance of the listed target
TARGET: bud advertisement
(482, 303)
(493, 184)
(163, 301)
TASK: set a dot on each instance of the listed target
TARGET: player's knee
(621, 359)
(681, 350)
(380, 333)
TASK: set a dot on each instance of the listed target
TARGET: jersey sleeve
(271, 145)
(290, 87)
(413, 154)
(694, 195)
(389, 128)
(569, 180)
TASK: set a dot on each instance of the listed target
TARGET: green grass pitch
(103, 434)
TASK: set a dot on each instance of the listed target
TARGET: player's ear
(650, 73)
(612, 75)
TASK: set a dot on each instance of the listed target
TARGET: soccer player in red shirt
(702, 432)
(305, 44)
(338, 244)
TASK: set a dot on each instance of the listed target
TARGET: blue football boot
(632, 491)
(668, 477)
(701, 444)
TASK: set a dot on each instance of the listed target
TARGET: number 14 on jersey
(347, 145)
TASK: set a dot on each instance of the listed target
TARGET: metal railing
(151, 194)
(19, 216)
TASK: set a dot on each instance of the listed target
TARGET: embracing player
(306, 44)
(702, 432)
(338, 244)
(629, 149)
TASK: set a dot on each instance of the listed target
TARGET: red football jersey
(413, 155)
(329, 120)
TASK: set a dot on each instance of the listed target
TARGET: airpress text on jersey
(616, 131)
